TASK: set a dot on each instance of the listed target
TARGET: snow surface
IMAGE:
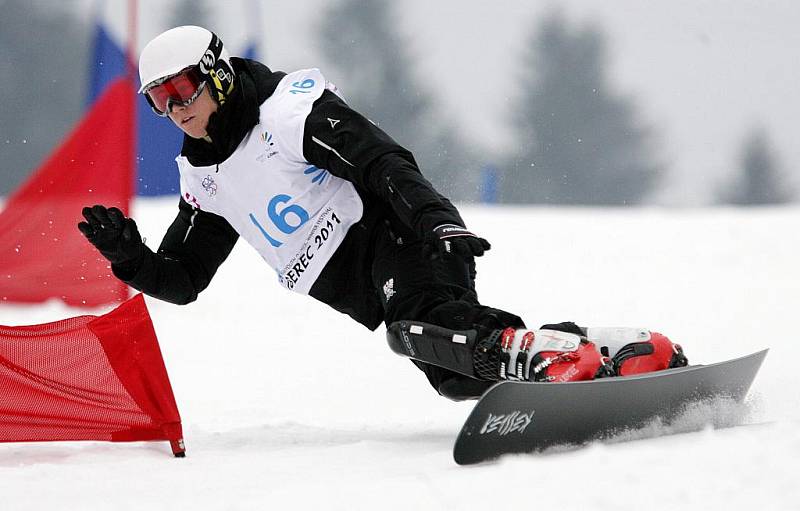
(289, 405)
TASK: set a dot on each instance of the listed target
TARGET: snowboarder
(342, 213)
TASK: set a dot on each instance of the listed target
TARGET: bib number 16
(287, 220)
(303, 87)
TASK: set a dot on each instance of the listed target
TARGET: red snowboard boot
(636, 350)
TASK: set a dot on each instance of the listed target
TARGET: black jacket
(384, 173)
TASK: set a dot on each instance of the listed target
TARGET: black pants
(381, 273)
(438, 289)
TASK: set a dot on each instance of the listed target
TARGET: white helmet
(183, 47)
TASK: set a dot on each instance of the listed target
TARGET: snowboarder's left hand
(452, 238)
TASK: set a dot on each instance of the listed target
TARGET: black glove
(452, 238)
(115, 236)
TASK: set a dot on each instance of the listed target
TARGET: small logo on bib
(271, 151)
(191, 199)
(209, 186)
(318, 175)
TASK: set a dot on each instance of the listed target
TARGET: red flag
(87, 378)
(42, 253)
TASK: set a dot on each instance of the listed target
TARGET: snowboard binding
(545, 356)
(561, 352)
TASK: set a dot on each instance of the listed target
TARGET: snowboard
(522, 417)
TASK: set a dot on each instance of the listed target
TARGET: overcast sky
(704, 72)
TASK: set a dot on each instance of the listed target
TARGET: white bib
(293, 213)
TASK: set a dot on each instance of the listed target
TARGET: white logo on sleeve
(388, 289)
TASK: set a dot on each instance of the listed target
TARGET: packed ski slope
(288, 405)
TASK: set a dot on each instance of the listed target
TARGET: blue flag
(157, 140)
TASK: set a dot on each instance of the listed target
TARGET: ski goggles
(180, 89)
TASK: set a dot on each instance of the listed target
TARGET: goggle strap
(209, 59)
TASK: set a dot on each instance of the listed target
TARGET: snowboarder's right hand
(114, 235)
(452, 238)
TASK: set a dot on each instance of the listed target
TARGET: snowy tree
(579, 141)
(760, 181)
(190, 12)
(372, 65)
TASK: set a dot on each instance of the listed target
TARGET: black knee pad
(465, 315)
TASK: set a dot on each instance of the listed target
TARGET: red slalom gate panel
(42, 253)
(87, 378)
